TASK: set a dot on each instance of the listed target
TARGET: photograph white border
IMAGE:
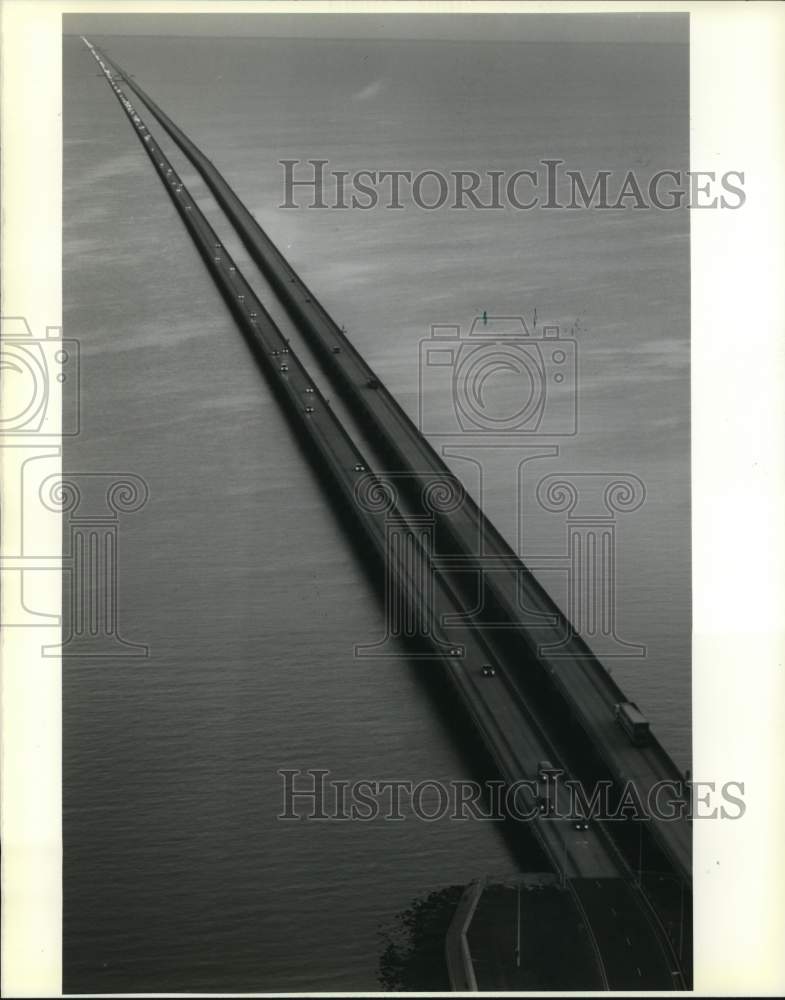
(737, 52)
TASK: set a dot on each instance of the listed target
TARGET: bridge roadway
(620, 924)
(489, 928)
(576, 675)
(509, 730)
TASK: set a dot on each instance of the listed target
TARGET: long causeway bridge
(427, 544)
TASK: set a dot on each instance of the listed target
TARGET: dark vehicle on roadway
(633, 722)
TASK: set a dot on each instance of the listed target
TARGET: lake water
(177, 873)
